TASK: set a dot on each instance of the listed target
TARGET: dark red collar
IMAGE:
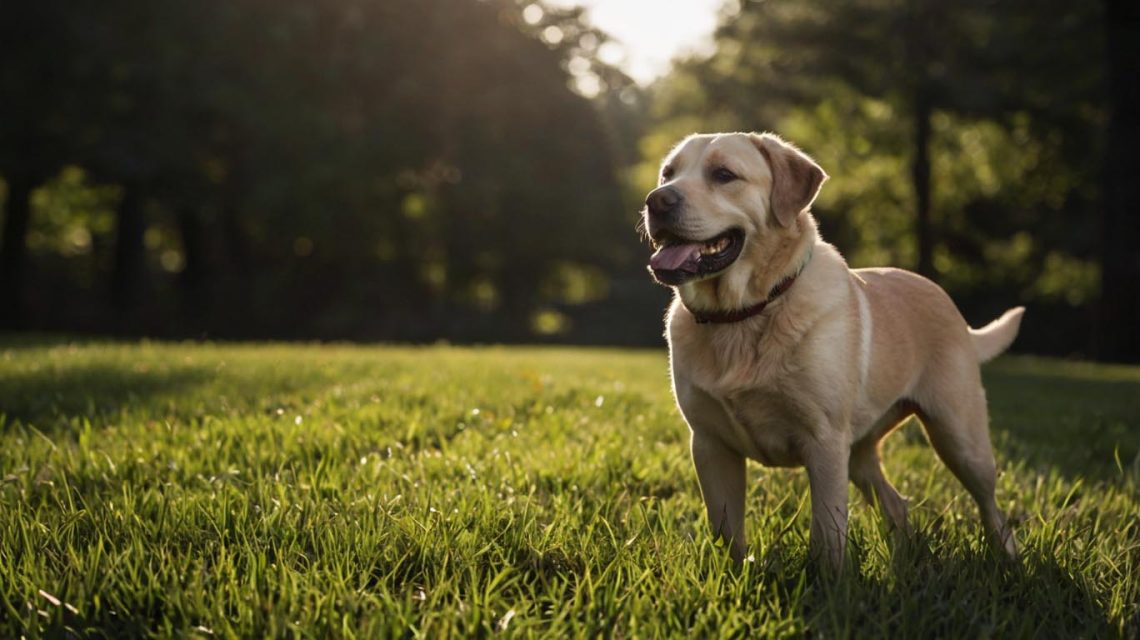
(736, 315)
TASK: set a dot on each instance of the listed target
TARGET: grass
(340, 491)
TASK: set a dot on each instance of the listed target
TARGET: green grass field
(342, 491)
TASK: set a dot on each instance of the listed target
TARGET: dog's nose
(663, 201)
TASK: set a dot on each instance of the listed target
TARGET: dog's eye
(667, 173)
(722, 175)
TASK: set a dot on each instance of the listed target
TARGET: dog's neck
(766, 262)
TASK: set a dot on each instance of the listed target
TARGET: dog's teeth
(714, 247)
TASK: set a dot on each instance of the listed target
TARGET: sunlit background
(471, 170)
(648, 35)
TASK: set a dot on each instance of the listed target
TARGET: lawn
(345, 491)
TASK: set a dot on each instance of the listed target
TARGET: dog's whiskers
(641, 228)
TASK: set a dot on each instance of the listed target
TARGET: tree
(1119, 309)
(35, 46)
(385, 167)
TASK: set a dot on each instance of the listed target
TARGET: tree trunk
(193, 280)
(129, 253)
(14, 251)
(920, 27)
(234, 302)
(920, 175)
(1118, 313)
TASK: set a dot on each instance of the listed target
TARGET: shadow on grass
(31, 340)
(53, 400)
(980, 595)
(1064, 416)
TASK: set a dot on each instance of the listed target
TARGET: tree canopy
(471, 169)
(293, 165)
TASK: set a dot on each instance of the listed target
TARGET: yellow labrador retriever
(782, 354)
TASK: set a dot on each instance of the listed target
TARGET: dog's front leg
(721, 473)
(827, 474)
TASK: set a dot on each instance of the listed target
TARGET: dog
(781, 354)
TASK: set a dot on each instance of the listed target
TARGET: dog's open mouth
(678, 260)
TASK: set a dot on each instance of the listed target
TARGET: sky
(652, 32)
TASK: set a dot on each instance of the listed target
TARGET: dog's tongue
(676, 256)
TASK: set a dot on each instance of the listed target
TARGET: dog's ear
(796, 178)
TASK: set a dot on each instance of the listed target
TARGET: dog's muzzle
(679, 260)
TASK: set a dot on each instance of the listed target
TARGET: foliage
(242, 490)
(364, 167)
(470, 169)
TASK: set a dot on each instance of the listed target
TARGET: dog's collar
(736, 315)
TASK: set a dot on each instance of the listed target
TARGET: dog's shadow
(925, 591)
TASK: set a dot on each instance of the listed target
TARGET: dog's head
(719, 196)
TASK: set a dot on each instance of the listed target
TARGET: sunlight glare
(552, 35)
(588, 84)
(651, 33)
(533, 14)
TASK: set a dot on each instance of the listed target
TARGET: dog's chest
(749, 412)
(765, 426)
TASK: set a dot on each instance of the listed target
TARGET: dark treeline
(374, 168)
(471, 169)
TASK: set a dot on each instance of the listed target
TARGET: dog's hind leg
(866, 472)
(957, 423)
(866, 468)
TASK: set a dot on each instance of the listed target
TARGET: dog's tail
(995, 337)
